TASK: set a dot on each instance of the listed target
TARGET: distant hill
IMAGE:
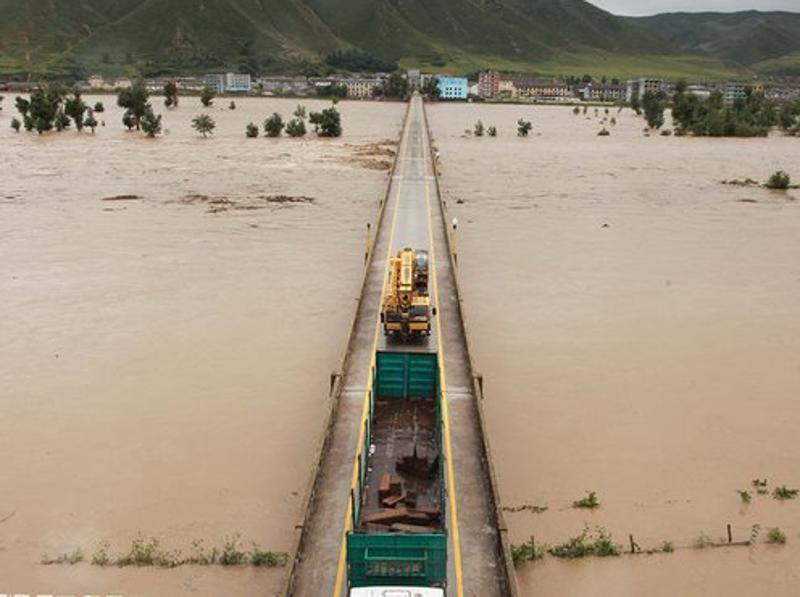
(76, 37)
(763, 41)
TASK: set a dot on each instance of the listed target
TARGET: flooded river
(637, 325)
(164, 356)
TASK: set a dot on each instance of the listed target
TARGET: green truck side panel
(397, 560)
(406, 375)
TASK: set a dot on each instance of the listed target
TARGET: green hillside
(763, 41)
(76, 37)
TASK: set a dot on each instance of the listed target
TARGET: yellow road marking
(340, 570)
(451, 477)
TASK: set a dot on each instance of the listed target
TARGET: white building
(229, 83)
(361, 88)
(236, 83)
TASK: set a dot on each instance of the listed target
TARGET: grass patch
(775, 536)
(589, 502)
(231, 554)
(69, 559)
(526, 552)
(145, 551)
(760, 486)
(267, 559)
(745, 496)
(784, 493)
(703, 541)
(587, 544)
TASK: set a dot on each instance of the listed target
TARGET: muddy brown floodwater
(638, 326)
(165, 358)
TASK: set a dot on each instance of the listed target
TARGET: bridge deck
(412, 219)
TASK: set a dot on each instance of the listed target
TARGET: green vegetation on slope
(152, 37)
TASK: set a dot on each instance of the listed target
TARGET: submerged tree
(523, 127)
(327, 123)
(296, 128)
(75, 108)
(135, 101)
(91, 121)
(203, 124)
(273, 126)
(16, 124)
(251, 130)
(150, 122)
(207, 96)
(171, 94)
(478, 129)
(654, 105)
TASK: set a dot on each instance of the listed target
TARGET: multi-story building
(638, 88)
(362, 88)
(506, 89)
(604, 93)
(285, 85)
(236, 83)
(229, 83)
(453, 88)
(536, 88)
(489, 84)
(215, 82)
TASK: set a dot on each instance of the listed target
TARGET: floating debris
(122, 198)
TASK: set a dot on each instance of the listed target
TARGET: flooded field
(172, 309)
(637, 325)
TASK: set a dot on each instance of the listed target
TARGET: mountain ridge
(64, 37)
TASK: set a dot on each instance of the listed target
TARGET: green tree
(430, 89)
(333, 91)
(91, 121)
(636, 105)
(296, 128)
(41, 112)
(273, 126)
(62, 121)
(395, 86)
(15, 124)
(150, 122)
(654, 105)
(523, 127)
(127, 120)
(135, 101)
(251, 130)
(171, 94)
(207, 96)
(75, 108)
(203, 124)
(327, 123)
(99, 107)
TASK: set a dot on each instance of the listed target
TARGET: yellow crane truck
(406, 309)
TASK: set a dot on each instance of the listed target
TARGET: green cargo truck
(398, 543)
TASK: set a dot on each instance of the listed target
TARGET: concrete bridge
(411, 215)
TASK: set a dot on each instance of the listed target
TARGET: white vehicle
(396, 592)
